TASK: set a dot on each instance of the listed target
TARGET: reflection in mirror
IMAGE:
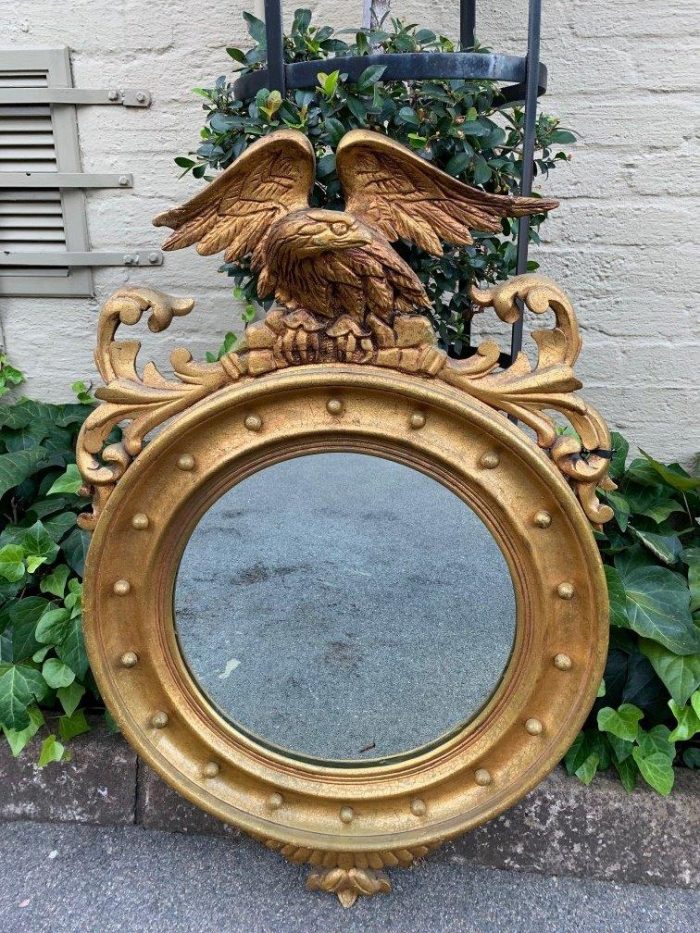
(343, 606)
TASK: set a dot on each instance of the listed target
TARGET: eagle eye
(339, 228)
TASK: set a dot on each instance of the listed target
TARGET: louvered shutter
(40, 138)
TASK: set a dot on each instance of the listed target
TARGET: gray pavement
(345, 606)
(62, 878)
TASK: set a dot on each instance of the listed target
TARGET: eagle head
(311, 232)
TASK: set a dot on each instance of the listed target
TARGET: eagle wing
(398, 193)
(273, 177)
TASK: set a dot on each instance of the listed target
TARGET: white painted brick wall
(624, 244)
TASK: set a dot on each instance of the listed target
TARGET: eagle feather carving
(337, 263)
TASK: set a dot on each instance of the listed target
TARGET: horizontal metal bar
(74, 95)
(64, 180)
(407, 66)
(63, 260)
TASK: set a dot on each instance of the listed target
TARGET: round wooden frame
(349, 821)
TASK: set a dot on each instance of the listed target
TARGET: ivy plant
(43, 664)
(645, 722)
(463, 127)
(647, 716)
(9, 376)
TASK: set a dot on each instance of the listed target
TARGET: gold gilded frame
(263, 404)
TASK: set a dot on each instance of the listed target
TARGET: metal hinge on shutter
(44, 246)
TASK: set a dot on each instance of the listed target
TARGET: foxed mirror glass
(344, 607)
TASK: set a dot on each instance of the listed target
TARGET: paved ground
(76, 879)
(315, 596)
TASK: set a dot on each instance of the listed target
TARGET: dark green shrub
(463, 127)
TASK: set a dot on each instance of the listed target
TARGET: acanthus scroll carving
(406, 343)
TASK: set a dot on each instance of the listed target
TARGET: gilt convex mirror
(308, 600)
(339, 599)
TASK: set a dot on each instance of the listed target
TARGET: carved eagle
(330, 262)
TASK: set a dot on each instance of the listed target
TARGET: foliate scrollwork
(404, 342)
(528, 393)
(137, 402)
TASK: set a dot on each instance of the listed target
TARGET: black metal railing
(524, 79)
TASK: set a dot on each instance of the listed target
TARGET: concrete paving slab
(98, 784)
(78, 879)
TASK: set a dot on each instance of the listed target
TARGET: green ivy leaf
(623, 722)
(23, 639)
(58, 525)
(687, 719)
(72, 648)
(55, 582)
(18, 739)
(617, 598)
(660, 511)
(695, 702)
(51, 750)
(673, 474)
(621, 748)
(75, 548)
(657, 740)
(38, 547)
(24, 615)
(620, 507)
(588, 769)
(56, 673)
(70, 726)
(628, 770)
(656, 769)
(666, 548)
(691, 556)
(70, 696)
(52, 627)
(620, 447)
(12, 563)
(658, 604)
(68, 482)
(583, 758)
(680, 674)
(18, 466)
(20, 685)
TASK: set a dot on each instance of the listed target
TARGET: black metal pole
(531, 76)
(275, 52)
(467, 23)
(467, 27)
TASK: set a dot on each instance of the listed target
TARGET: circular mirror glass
(344, 607)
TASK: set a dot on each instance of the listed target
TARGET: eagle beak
(356, 238)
